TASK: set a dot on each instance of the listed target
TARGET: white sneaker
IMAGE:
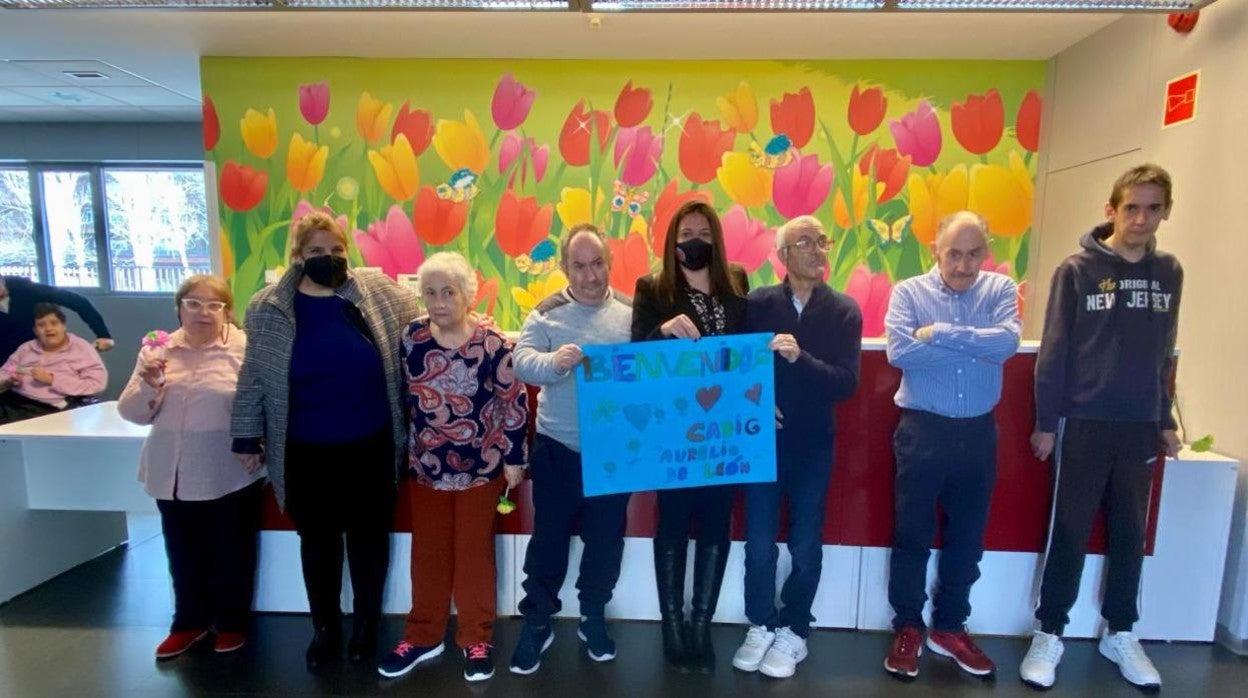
(1124, 650)
(786, 651)
(757, 641)
(1039, 667)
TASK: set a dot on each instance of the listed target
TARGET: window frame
(95, 170)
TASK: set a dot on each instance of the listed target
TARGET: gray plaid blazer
(261, 405)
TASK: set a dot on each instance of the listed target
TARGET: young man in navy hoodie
(1103, 412)
(818, 339)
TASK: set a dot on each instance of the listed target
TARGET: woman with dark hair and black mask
(321, 400)
(696, 293)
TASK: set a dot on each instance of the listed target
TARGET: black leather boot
(362, 647)
(709, 562)
(669, 572)
(325, 646)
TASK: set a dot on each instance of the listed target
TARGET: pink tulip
(746, 241)
(391, 244)
(314, 102)
(871, 292)
(918, 135)
(511, 104)
(303, 208)
(511, 149)
(643, 151)
(801, 187)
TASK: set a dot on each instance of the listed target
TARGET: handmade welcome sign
(677, 413)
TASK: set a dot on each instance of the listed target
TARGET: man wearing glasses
(819, 336)
(949, 331)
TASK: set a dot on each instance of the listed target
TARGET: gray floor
(92, 632)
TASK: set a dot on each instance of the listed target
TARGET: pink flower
(640, 151)
(391, 244)
(801, 187)
(314, 102)
(511, 149)
(746, 241)
(303, 208)
(918, 135)
(511, 104)
(871, 292)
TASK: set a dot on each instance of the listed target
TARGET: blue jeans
(950, 463)
(802, 475)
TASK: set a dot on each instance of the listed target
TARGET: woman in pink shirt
(209, 502)
(42, 373)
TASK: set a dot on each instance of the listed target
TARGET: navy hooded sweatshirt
(1109, 333)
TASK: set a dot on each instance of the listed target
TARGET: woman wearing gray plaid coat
(321, 399)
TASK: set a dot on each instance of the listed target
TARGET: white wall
(1108, 97)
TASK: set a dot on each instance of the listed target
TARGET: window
(19, 256)
(157, 228)
(123, 228)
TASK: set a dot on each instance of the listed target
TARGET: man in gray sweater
(587, 312)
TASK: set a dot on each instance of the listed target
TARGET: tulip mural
(495, 160)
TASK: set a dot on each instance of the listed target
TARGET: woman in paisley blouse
(469, 417)
(696, 294)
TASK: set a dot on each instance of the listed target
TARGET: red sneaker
(962, 649)
(228, 642)
(903, 657)
(179, 642)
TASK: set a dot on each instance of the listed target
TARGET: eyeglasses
(195, 305)
(821, 243)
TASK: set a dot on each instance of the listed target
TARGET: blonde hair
(213, 283)
(456, 267)
(317, 220)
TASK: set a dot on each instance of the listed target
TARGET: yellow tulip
(396, 169)
(840, 210)
(227, 253)
(739, 108)
(460, 144)
(934, 196)
(305, 163)
(640, 227)
(573, 207)
(259, 133)
(538, 290)
(1003, 196)
(744, 182)
(372, 118)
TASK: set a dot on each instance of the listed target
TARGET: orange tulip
(702, 148)
(866, 109)
(396, 170)
(438, 221)
(890, 170)
(794, 116)
(739, 108)
(372, 116)
(417, 125)
(242, 187)
(305, 163)
(520, 223)
(630, 260)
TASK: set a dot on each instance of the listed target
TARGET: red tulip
(794, 116)
(437, 221)
(520, 223)
(702, 148)
(417, 125)
(890, 168)
(242, 187)
(632, 107)
(670, 201)
(866, 109)
(1027, 127)
(511, 104)
(212, 125)
(574, 138)
(314, 102)
(978, 122)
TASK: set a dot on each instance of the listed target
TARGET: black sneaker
(598, 644)
(405, 657)
(478, 661)
(533, 642)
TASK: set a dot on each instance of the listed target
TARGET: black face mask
(327, 270)
(697, 253)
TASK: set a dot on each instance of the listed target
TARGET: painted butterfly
(628, 199)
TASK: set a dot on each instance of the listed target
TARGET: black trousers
(211, 547)
(558, 502)
(15, 408)
(335, 491)
(1098, 463)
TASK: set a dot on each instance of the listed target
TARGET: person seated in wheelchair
(55, 371)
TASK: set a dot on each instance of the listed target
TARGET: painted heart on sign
(707, 397)
(754, 393)
(638, 416)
